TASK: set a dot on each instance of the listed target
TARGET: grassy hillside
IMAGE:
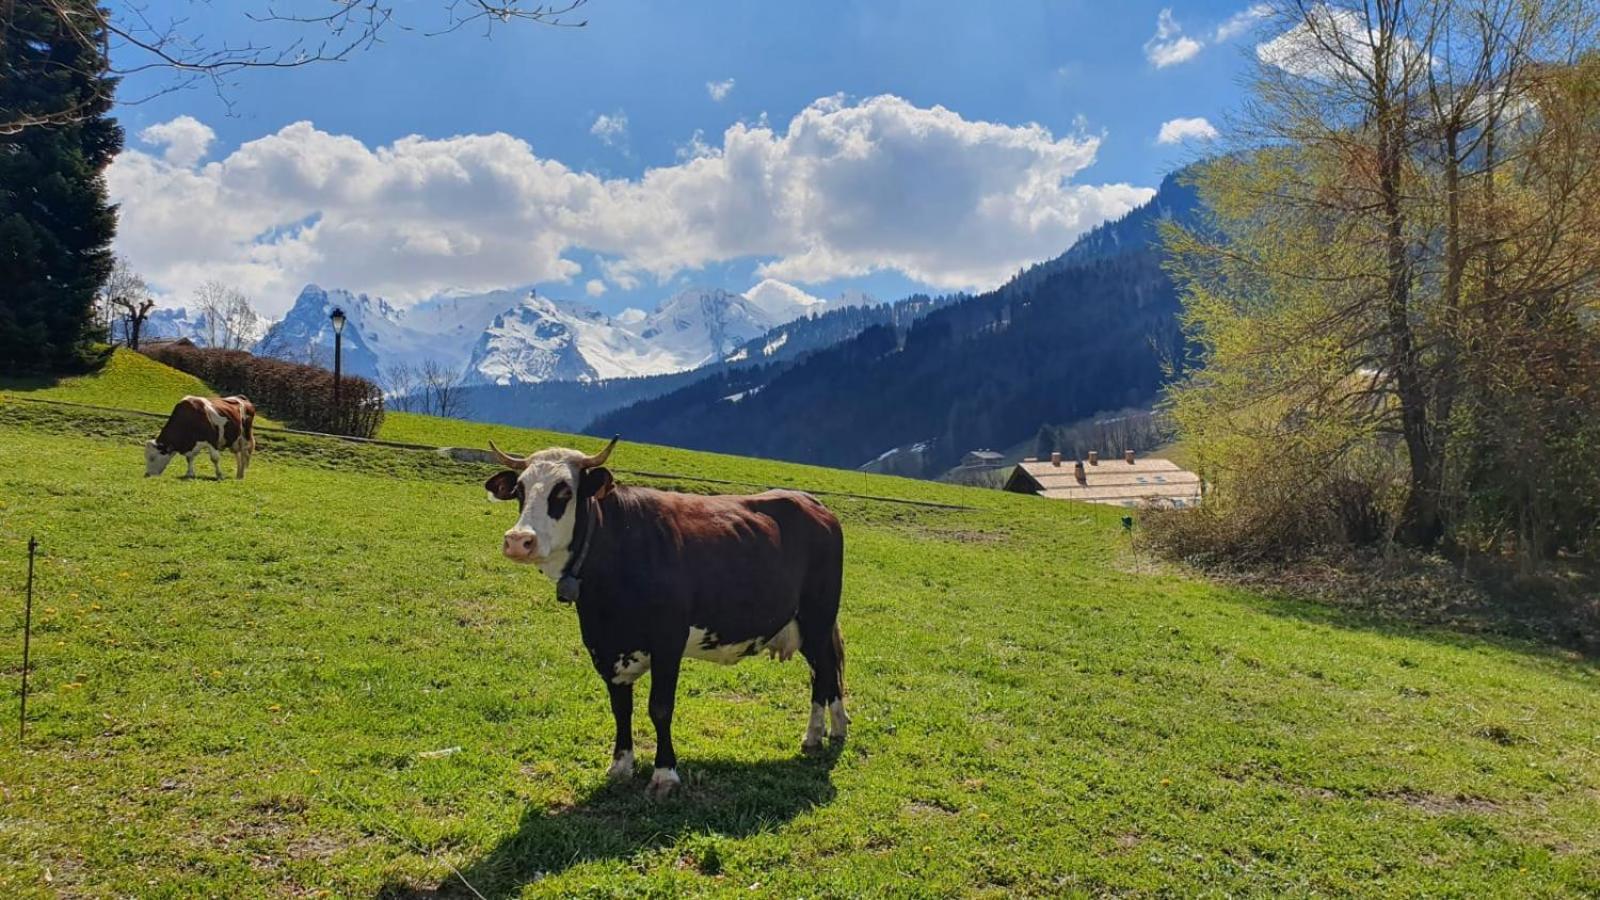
(128, 380)
(241, 688)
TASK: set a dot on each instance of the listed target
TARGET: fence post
(27, 641)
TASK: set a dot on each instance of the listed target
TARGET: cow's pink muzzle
(522, 546)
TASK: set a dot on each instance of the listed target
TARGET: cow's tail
(838, 656)
(247, 423)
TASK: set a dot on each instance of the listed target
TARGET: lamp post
(337, 317)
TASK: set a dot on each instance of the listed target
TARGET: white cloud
(1169, 46)
(612, 129)
(1176, 131)
(1331, 44)
(1241, 22)
(845, 189)
(719, 90)
(187, 140)
(696, 147)
(594, 287)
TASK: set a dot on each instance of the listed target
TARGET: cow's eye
(560, 496)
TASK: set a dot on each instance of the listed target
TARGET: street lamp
(337, 317)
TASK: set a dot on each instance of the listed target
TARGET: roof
(1114, 481)
(986, 454)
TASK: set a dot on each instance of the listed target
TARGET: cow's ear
(596, 482)
(502, 485)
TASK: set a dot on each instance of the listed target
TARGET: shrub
(1276, 509)
(298, 395)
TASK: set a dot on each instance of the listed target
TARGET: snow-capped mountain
(541, 340)
(519, 337)
(305, 334)
(545, 340)
(783, 302)
(166, 323)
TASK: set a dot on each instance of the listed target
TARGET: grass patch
(239, 686)
(126, 380)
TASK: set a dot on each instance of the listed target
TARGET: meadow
(325, 681)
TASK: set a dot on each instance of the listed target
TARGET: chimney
(1094, 457)
(1128, 455)
(1077, 471)
(1055, 458)
(1030, 459)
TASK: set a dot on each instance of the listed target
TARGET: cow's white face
(155, 460)
(545, 490)
(548, 486)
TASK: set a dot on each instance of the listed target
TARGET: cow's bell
(567, 588)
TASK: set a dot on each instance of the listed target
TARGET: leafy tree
(55, 221)
(1400, 246)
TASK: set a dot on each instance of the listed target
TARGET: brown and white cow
(210, 424)
(658, 576)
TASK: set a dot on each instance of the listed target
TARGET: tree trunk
(1420, 518)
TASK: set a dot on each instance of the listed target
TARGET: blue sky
(1086, 72)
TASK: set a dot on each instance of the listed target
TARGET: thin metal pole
(338, 346)
(27, 640)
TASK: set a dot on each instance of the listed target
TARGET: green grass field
(240, 689)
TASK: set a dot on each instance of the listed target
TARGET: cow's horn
(506, 459)
(599, 459)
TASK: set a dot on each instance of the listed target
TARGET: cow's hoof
(811, 745)
(621, 767)
(663, 783)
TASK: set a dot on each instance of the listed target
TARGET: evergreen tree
(56, 224)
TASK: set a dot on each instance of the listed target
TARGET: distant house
(1124, 482)
(983, 459)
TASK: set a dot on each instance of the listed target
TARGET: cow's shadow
(617, 820)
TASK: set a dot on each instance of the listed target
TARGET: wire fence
(477, 455)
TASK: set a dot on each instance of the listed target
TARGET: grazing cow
(212, 424)
(657, 576)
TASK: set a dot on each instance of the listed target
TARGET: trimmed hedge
(298, 395)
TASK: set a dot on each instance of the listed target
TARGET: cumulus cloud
(594, 287)
(612, 129)
(1169, 46)
(844, 189)
(719, 90)
(1330, 44)
(1176, 131)
(1241, 22)
(185, 138)
(696, 147)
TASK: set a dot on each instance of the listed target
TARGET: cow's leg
(622, 748)
(189, 458)
(241, 458)
(825, 653)
(216, 460)
(663, 693)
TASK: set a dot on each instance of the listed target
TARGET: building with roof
(1124, 482)
(983, 459)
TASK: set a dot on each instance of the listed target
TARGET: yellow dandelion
(1166, 781)
(216, 673)
(94, 606)
(274, 708)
